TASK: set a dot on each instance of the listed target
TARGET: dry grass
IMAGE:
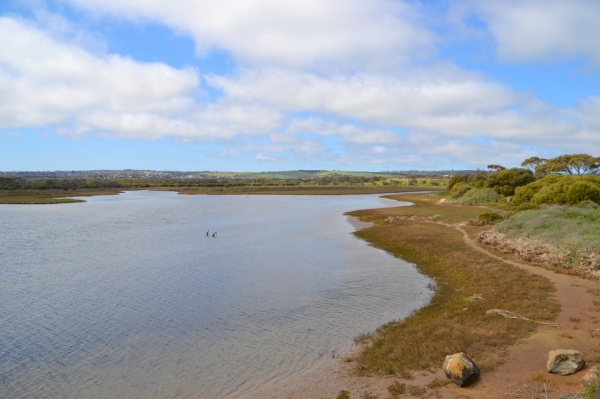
(449, 324)
(49, 196)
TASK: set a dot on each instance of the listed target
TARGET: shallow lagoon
(125, 296)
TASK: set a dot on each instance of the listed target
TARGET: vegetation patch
(449, 324)
(561, 236)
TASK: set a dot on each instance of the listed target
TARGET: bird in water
(214, 234)
(207, 231)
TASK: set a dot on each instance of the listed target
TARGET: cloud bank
(321, 81)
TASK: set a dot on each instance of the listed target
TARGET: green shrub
(553, 190)
(524, 194)
(459, 189)
(490, 217)
(481, 196)
(453, 180)
(505, 181)
(583, 191)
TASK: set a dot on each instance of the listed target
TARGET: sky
(266, 85)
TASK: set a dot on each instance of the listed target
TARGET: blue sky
(262, 85)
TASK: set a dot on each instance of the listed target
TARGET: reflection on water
(127, 297)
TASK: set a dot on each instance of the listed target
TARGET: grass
(35, 200)
(449, 324)
(569, 234)
(49, 196)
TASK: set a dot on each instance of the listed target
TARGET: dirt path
(579, 329)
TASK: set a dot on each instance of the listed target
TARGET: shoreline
(517, 365)
(61, 197)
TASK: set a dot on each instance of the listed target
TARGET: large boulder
(592, 377)
(460, 369)
(564, 361)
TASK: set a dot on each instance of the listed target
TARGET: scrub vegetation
(552, 206)
(548, 211)
(466, 285)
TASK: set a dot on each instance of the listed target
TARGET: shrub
(459, 189)
(490, 217)
(583, 191)
(524, 194)
(553, 190)
(453, 180)
(479, 196)
(505, 181)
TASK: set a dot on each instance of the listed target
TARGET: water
(126, 297)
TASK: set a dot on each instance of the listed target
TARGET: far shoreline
(43, 197)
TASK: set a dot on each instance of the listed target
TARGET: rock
(460, 369)
(592, 377)
(564, 361)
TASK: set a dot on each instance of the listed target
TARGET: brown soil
(523, 374)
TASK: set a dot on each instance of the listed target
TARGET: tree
(570, 164)
(533, 162)
(453, 180)
(505, 181)
(496, 167)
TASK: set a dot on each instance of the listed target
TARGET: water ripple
(126, 296)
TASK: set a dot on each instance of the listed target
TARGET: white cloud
(350, 133)
(378, 98)
(289, 32)
(44, 81)
(547, 30)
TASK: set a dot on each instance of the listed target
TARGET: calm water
(126, 297)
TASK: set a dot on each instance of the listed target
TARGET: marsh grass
(35, 200)
(449, 324)
(49, 196)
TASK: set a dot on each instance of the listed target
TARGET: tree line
(567, 179)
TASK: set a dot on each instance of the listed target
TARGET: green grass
(568, 231)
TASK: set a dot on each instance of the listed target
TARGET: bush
(490, 217)
(459, 189)
(583, 191)
(453, 180)
(553, 190)
(482, 196)
(505, 181)
(524, 194)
